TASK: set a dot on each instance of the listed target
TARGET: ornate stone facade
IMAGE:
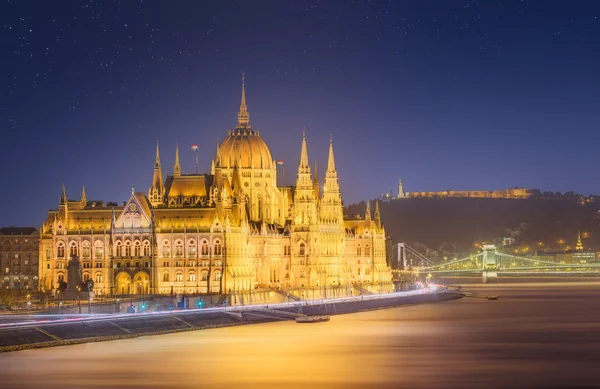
(231, 231)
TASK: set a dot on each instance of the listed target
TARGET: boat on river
(311, 319)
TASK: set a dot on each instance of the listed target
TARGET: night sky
(444, 94)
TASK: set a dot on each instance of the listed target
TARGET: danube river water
(537, 335)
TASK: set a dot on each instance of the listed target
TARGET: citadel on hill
(231, 231)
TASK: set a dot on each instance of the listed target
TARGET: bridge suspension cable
(417, 254)
(453, 262)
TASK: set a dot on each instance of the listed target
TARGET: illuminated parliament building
(232, 231)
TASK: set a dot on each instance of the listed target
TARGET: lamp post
(78, 298)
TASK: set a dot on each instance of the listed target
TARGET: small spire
(157, 161)
(368, 211)
(132, 190)
(243, 115)
(83, 196)
(177, 167)
(217, 158)
(316, 176)
(63, 195)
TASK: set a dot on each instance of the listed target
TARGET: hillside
(453, 225)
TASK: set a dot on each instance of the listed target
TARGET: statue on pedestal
(76, 289)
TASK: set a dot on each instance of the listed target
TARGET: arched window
(178, 248)
(85, 252)
(204, 248)
(166, 250)
(192, 276)
(302, 274)
(217, 276)
(204, 275)
(192, 249)
(86, 277)
(146, 248)
(137, 249)
(367, 252)
(358, 250)
(302, 250)
(127, 264)
(119, 249)
(73, 249)
(98, 250)
(179, 276)
(166, 277)
(99, 278)
(127, 248)
(217, 247)
(60, 250)
(61, 277)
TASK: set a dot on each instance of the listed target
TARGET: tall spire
(316, 182)
(304, 152)
(243, 115)
(177, 168)
(63, 195)
(368, 212)
(331, 159)
(83, 196)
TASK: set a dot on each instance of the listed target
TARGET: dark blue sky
(445, 94)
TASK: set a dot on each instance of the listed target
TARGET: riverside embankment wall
(58, 334)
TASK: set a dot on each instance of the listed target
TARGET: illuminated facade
(231, 231)
(19, 257)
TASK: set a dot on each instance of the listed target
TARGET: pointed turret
(331, 178)
(243, 115)
(368, 212)
(304, 197)
(63, 195)
(331, 158)
(157, 190)
(83, 200)
(177, 167)
(331, 200)
(377, 214)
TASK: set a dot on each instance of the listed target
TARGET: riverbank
(113, 327)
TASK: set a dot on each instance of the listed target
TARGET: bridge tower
(490, 264)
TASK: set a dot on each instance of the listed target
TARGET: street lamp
(78, 298)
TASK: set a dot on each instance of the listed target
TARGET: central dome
(244, 148)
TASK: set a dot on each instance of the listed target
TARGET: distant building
(511, 193)
(19, 252)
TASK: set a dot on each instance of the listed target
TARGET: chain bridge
(490, 264)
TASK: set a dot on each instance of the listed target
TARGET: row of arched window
(86, 250)
(137, 248)
(178, 249)
(192, 276)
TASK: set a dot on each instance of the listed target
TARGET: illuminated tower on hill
(579, 245)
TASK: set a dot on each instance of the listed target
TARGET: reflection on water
(544, 335)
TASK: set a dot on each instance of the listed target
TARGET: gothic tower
(156, 192)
